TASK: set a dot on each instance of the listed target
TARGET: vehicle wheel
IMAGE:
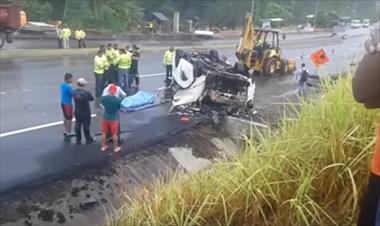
(240, 68)
(284, 67)
(214, 55)
(2, 40)
(270, 67)
(9, 37)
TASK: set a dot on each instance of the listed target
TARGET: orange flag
(319, 58)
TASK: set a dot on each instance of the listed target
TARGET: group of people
(117, 65)
(64, 34)
(111, 101)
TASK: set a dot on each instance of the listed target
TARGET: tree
(115, 15)
(274, 10)
(37, 10)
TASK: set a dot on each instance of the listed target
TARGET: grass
(310, 171)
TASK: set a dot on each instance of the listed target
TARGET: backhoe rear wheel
(270, 67)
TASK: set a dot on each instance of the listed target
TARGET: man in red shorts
(110, 122)
(67, 103)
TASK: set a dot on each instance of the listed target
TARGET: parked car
(355, 24)
(366, 23)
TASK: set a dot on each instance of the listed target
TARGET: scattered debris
(89, 204)
(61, 219)
(46, 215)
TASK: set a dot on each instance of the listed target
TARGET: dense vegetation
(122, 15)
(310, 171)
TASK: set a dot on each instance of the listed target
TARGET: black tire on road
(2, 40)
(9, 37)
(270, 67)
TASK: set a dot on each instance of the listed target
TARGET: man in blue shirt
(67, 103)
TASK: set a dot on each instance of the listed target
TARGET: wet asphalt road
(29, 96)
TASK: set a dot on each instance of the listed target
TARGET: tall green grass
(310, 171)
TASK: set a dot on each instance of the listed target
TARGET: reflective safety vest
(80, 34)
(115, 56)
(168, 57)
(66, 32)
(125, 61)
(100, 64)
(109, 55)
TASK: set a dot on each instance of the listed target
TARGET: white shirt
(119, 92)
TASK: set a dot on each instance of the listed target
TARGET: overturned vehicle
(203, 83)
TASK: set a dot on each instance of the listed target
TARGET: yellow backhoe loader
(259, 51)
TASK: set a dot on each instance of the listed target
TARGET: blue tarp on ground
(138, 101)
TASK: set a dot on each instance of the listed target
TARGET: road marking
(43, 126)
(55, 86)
(152, 75)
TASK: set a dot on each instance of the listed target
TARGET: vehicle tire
(214, 55)
(270, 67)
(240, 68)
(2, 40)
(9, 37)
(284, 67)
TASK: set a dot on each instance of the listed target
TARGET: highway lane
(29, 96)
(29, 90)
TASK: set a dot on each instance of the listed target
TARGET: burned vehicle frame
(203, 83)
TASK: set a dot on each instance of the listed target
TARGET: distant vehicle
(271, 23)
(355, 24)
(366, 23)
(11, 19)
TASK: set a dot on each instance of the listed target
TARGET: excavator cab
(259, 51)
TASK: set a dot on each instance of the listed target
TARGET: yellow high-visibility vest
(115, 56)
(82, 34)
(66, 32)
(168, 57)
(125, 61)
(78, 35)
(100, 64)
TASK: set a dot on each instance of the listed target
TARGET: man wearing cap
(110, 122)
(82, 112)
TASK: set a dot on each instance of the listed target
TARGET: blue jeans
(123, 79)
(301, 88)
